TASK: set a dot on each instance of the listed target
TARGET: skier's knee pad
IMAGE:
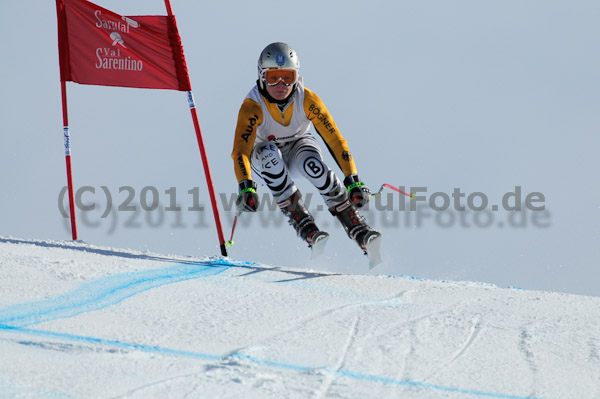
(267, 157)
(267, 162)
(311, 165)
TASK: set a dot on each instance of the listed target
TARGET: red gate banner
(100, 47)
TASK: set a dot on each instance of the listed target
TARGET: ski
(319, 240)
(372, 247)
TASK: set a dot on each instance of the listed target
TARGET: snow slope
(79, 321)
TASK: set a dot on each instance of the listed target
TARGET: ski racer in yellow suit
(272, 140)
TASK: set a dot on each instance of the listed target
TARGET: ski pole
(229, 242)
(411, 195)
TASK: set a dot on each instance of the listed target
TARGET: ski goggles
(272, 77)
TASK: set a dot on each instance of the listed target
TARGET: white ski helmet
(277, 55)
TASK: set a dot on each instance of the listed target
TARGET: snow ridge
(167, 326)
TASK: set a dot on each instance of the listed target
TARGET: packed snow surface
(80, 321)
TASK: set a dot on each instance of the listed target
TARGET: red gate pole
(64, 73)
(209, 181)
(67, 137)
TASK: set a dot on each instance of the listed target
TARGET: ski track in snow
(473, 332)
(110, 291)
(293, 324)
(330, 378)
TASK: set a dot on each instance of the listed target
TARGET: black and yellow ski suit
(273, 141)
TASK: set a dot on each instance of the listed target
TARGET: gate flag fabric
(100, 47)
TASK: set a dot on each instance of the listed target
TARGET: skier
(272, 140)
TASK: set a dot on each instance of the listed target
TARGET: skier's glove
(357, 192)
(247, 200)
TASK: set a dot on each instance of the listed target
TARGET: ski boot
(367, 238)
(304, 223)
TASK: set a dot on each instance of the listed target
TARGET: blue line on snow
(109, 342)
(106, 291)
(269, 363)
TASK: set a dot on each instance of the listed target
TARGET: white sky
(483, 96)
